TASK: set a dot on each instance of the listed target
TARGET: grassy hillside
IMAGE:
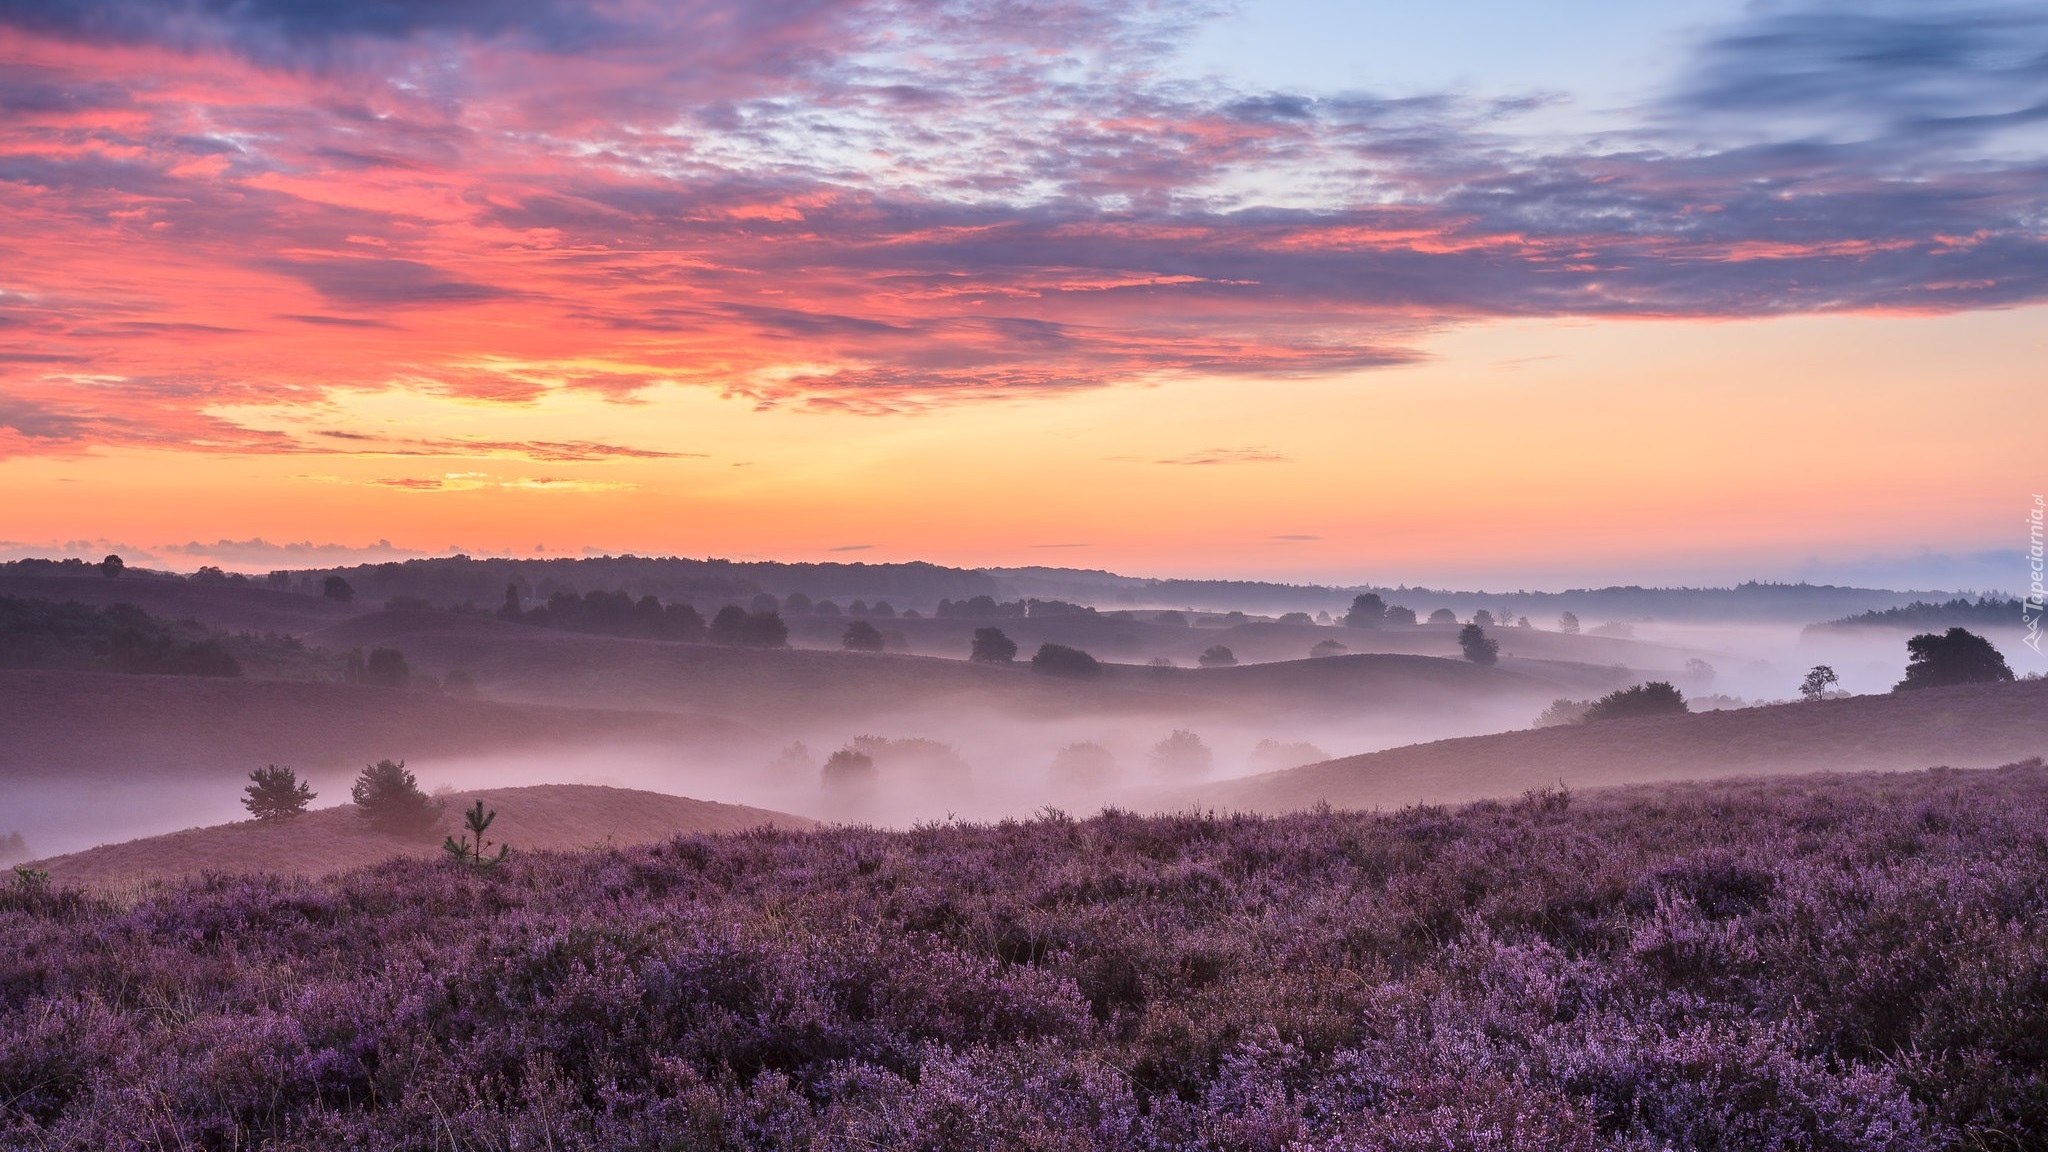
(1971, 726)
(1846, 963)
(536, 818)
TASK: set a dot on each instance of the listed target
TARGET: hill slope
(1971, 726)
(540, 817)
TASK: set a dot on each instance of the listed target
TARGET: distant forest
(480, 583)
(1984, 611)
(122, 638)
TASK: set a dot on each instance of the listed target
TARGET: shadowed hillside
(559, 817)
(1972, 726)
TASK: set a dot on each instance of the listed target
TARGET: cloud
(561, 451)
(1293, 536)
(868, 207)
(1228, 456)
(851, 548)
(257, 553)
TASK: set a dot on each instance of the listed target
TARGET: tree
(1699, 672)
(389, 797)
(112, 566)
(797, 604)
(1182, 754)
(1367, 611)
(992, 646)
(1819, 682)
(510, 609)
(1217, 656)
(337, 590)
(385, 668)
(1083, 765)
(764, 630)
(726, 625)
(847, 768)
(1060, 660)
(1443, 616)
(1396, 614)
(1328, 648)
(1568, 624)
(469, 850)
(276, 793)
(1957, 656)
(1483, 618)
(861, 636)
(1656, 698)
(1478, 647)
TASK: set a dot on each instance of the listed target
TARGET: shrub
(764, 630)
(1478, 647)
(1656, 698)
(1217, 656)
(1562, 712)
(337, 589)
(992, 646)
(1957, 656)
(389, 797)
(861, 636)
(1182, 754)
(471, 850)
(1396, 614)
(276, 793)
(1060, 660)
(1083, 765)
(1443, 616)
(1328, 648)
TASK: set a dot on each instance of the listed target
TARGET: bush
(389, 797)
(1217, 656)
(1328, 648)
(1083, 765)
(1182, 754)
(1060, 660)
(861, 636)
(764, 630)
(276, 793)
(992, 646)
(1957, 656)
(337, 589)
(1443, 616)
(1562, 712)
(1399, 615)
(1478, 647)
(1656, 698)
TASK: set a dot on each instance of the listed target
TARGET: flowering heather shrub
(1826, 963)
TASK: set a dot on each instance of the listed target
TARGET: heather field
(1831, 962)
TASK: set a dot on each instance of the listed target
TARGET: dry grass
(1974, 726)
(547, 816)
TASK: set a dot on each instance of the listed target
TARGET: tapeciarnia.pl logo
(2037, 596)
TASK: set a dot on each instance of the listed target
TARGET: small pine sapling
(469, 850)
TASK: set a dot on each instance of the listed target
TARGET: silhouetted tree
(764, 603)
(389, 797)
(1396, 614)
(384, 668)
(1656, 698)
(797, 604)
(991, 646)
(1818, 682)
(1957, 656)
(1367, 611)
(1443, 616)
(847, 768)
(726, 625)
(1328, 648)
(112, 566)
(681, 622)
(1478, 647)
(764, 630)
(276, 793)
(826, 608)
(1060, 660)
(1182, 754)
(861, 636)
(1483, 618)
(337, 589)
(1568, 624)
(857, 608)
(510, 609)
(882, 610)
(1217, 656)
(1699, 673)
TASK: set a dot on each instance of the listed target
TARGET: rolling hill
(536, 818)
(1970, 726)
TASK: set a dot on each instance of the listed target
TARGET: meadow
(1820, 962)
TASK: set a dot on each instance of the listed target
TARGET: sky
(1483, 294)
